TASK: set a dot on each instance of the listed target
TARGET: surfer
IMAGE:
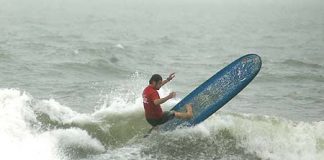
(151, 100)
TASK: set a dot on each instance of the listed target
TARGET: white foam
(272, 138)
(19, 134)
(126, 152)
(128, 99)
(61, 113)
(75, 137)
(120, 46)
(76, 51)
(18, 141)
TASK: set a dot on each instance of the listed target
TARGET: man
(151, 100)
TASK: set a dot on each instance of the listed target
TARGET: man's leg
(185, 115)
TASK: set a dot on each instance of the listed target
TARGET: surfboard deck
(214, 93)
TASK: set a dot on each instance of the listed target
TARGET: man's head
(156, 81)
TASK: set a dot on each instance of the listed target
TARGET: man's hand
(162, 100)
(172, 95)
(171, 76)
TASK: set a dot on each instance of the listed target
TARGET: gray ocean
(72, 73)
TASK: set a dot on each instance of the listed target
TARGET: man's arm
(165, 81)
(162, 100)
(171, 76)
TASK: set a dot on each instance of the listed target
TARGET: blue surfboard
(216, 91)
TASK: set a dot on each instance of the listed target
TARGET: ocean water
(72, 73)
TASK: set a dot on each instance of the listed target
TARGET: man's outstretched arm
(171, 76)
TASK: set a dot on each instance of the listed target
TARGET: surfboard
(215, 92)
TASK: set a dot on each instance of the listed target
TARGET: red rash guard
(152, 111)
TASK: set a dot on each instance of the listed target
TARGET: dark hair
(156, 78)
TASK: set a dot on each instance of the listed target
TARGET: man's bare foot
(185, 115)
(189, 111)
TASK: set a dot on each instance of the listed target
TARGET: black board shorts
(168, 115)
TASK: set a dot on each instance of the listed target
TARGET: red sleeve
(155, 95)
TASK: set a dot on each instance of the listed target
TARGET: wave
(270, 77)
(115, 130)
(22, 136)
(5, 59)
(242, 136)
(117, 120)
(297, 63)
(164, 41)
(97, 66)
(305, 77)
(4, 55)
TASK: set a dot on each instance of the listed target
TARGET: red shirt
(152, 111)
